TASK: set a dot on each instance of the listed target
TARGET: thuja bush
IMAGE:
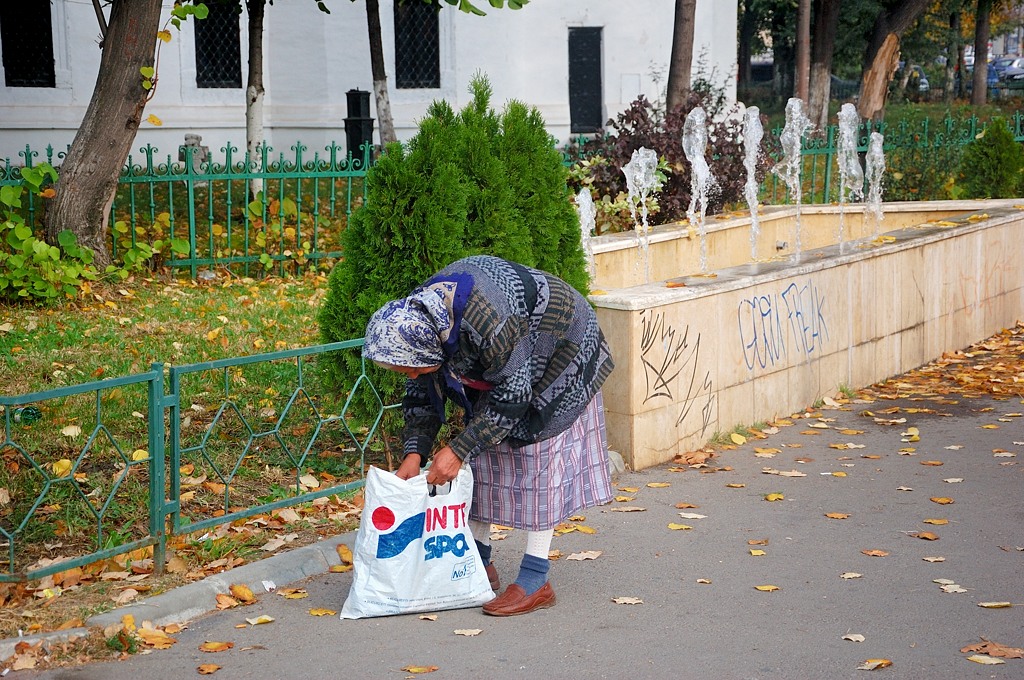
(472, 182)
(599, 161)
(921, 172)
(992, 164)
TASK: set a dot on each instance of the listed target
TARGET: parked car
(991, 78)
(1004, 64)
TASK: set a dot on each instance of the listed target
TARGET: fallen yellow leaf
(926, 535)
(874, 664)
(658, 485)
(678, 527)
(937, 522)
(774, 497)
(61, 467)
(985, 659)
(941, 500)
(757, 553)
(242, 593)
(738, 439)
(767, 589)
(293, 593)
(875, 553)
(419, 669)
(215, 646)
(995, 605)
(208, 669)
(225, 601)
(735, 486)
(836, 515)
(933, 463)
(322, 612)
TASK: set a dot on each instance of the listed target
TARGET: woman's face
(409, 371)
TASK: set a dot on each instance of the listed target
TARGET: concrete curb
(196, 599)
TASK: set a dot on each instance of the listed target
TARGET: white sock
(481, 531)
(538, 543)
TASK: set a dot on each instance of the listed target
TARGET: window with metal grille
(585, 80)
(218, 47)
(27, 43)
(417, 46)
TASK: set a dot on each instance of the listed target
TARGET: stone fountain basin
(699, 355)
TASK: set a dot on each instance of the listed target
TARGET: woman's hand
(410, 466)
(445, 467)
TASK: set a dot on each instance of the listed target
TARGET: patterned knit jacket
(528, 334)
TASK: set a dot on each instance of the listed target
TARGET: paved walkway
(701, 615)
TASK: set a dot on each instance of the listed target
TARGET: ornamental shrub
(599, 161)
(32, 270)
(473, 182)
(992, 163)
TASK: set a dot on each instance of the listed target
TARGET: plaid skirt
(534, 487)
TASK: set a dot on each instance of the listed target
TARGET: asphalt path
(684, 628)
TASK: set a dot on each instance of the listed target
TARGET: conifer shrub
(992, 163)
(472, 182)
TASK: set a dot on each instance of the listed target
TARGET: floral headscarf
(420, 331)
(413, 331)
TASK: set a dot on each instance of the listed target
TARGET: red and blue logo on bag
(413, 528)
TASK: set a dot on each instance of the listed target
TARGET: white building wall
(311, 59)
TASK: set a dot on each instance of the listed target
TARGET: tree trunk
(882, 55)
(982, 17)
(682, 53)
(952, 57)
(748, 25)
(385, 122)
(89, 173)
(826, 22)
(803, 49)
(254, 90)
(875, 84)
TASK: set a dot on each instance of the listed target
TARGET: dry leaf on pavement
(994, 649)
(209, 646)
(585, 555)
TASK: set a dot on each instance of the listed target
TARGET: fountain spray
(789, 168)
(851, 175)
(753, 132)
(875, 162)
(588, 221)
(695, 144)
(640, 179)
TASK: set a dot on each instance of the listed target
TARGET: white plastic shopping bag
(414, 551)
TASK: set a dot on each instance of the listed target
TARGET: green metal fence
(270, 213)
(116, 465)
(902, 140)
(208, 213)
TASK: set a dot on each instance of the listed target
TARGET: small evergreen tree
(469, 183)
(992, 163)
